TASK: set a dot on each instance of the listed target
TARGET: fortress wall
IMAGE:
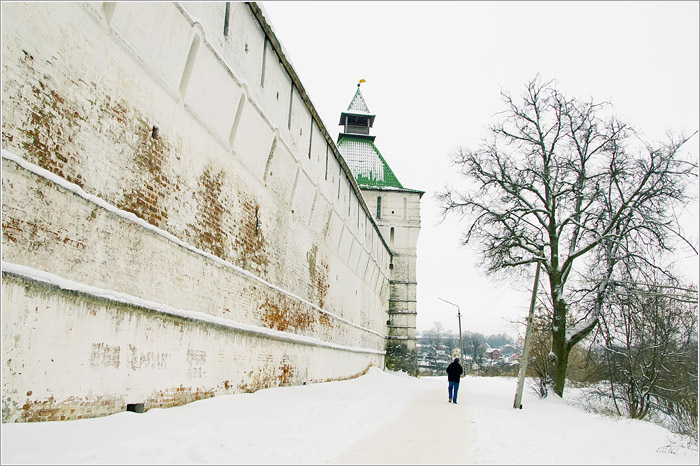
(148, 155)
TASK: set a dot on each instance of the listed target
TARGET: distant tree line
(445, 342)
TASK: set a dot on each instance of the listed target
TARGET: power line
(672, 297)
(624, 288)
(622, 282)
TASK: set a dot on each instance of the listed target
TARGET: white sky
(379, 418)
(434, 71)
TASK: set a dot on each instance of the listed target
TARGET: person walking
(454, 372)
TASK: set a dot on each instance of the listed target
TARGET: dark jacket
(454, 370)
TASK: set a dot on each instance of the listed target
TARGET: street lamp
(459, 317)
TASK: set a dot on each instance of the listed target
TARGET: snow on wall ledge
(176, 221)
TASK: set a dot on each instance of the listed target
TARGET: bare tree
(473, 342)
(438, 334)
(539, 365)
(556, 183)
(650, 334)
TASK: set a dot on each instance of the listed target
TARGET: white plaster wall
(84, 85)
(133, 356)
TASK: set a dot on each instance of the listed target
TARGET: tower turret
(357, 119)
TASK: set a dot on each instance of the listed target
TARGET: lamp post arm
(459, 317)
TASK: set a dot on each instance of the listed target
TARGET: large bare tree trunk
(560, 349)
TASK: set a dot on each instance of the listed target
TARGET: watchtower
(397, 213)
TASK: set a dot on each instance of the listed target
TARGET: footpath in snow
(379, 418)
(428, 431)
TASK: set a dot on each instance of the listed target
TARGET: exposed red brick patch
(268, 377)
(37, 234)
(286, 375)
(325, 320)
(321, 284)
(150, 158)
(318, 276)
(249, 241)
(50, 123)
(72, 408)
(288, 317)
(11, 228)
(210, 232)
(176, 396)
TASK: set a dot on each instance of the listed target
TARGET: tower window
(379, 206)
(391, 237)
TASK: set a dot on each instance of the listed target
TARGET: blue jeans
(453, 386)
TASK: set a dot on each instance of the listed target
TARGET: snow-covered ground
(381, 417)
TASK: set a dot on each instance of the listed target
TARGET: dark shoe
(454, 402)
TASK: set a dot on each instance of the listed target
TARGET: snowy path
(444, 434)
(379, 418)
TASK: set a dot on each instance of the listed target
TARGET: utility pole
(459, 318)
(517, 403)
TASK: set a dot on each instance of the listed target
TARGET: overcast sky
(434, 71)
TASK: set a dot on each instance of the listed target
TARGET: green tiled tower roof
(366, 162)
(356, 145)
